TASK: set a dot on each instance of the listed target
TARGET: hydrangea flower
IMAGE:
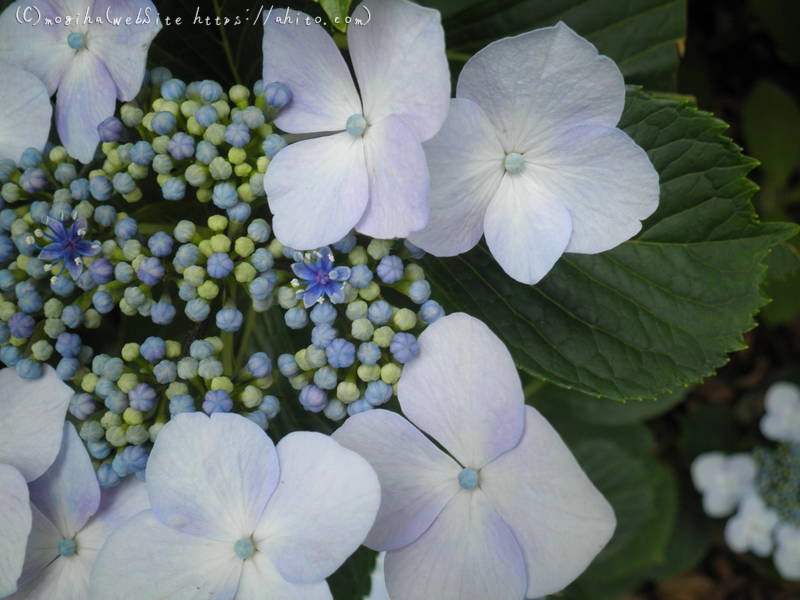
(67, 246)
(530, 157)
(369, 173)
(507, 512)
(25, 119)
(723, 480)
(320, 278)
(787, 553)
(31, 422)
(751, 527)
(781, 422)
(235, 517)
(89, 64)
(71, 522)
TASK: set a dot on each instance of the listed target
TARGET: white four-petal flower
(787, 553)
(370, 172)
(781, 421)
(752, 526)
(91, 64)
(530, 157)
(508, 513)
(723, 480)
(71, 522)
(25, 118)
(31, 422)
(235, 517)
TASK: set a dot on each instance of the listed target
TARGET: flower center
(356, 125)
(67, 547)
(468, 479)
(76, 40)
(244, 548)
(514, 163)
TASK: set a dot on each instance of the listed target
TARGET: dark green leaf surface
(658, 312)
(640, 35)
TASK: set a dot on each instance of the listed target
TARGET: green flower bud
(132, 416)
(251, 396)
(127, 382)
(236, 156)
(215, 134)
(357, 256)
(216, 341)
(127, 309)
(390, 373)
(52, 327)
(176, 388)
(92, 319)
(116, 436)
(218, 223)
(172, 349)
(89, 382)
(356, 310)
(404, 319)
(53, 308)
(300, 359)
(298, 382)
(58, 154)
(239, 95)
(377, 249)
(138, 172)
(315, 357)
(109, 420)
(197, 175)
(208, 290)
(369, 372)
(413, 272)
(130, 352)
(383, 336)
(137, 435)
(244, 247)
(370, 292)
(362, 329)
(161, 144)
(42, 350)
(347, 392)
(244, 272)
(220, 243)
(194, 275)
(222, 383)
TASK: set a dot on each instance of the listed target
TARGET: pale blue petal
(15, 525)
(212, 476)
(321, 511)
(400, 62)
(546, 80)
(25, 119)
(68, 493)
(468, 553)
(464, 391)
(417, 479)
(559, 518)
(260, 579)
(31, 420)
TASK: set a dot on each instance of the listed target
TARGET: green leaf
(337, 11)
(659, 312)
(353, 580)
(771, 122)
(642, 36)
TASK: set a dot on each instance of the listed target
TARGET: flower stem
(226, 45)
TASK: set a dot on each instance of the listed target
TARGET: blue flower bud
(359, 406)
(340, 353)
(206, 116)
(81, 406)
(181, 146)
(162, 313)
(431, 311)
(259, 231)
(68, 345)
(404, 347)
(7, 169)
(72, 316)
(65, 173)
(173, 90)
(126, 229)
(217, 401)
(28, 368)
(210, 368)
(173, 189)
(390, 269)
(224, 195)
(165, 372)
(322, 335)
(33, 180)
(257, 417)
(380, 312)
(313, 398)
(369, 353)
(377, 393)
(287, 365)
(419, 291)
(346, 244)
(98, 449)
(163, 123)
(101, 188)
(153, 349)
(123, 183)
(67, 368)
(273, 144)
(110, 130)
(159, 75)
(325, 378)
(324, 314)
(10, 355)
(296, 318)
(262, 260)
(160, 244)
(201, 349)
(91, 431)
(116, 402)
(360, 276)
(219, 265)
(239, 213)
(229, 319)
(209, 91)
(184, 231)
(206, 151)
(107, 477)
(142, 154)
(135, 458)
(237, 135)
(259, 365)
(187, 255)
(197, 310)
(335, 410)
(21, 325)
(181, 404)
(277, 95)
(270, 406)
(150, 270)
(124, 273)
(186, 291)
(31, 157)
(113, 369)
(105, 215)
(142, 397)
(30, 303)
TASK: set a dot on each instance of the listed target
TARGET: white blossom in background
(507, 512)
(781, 421)
(89, 64)
(787, 552)
(751, 528)
(723, 480)
(25, 118)
(366, 169)
(31, 423)
(531, 158)
(234, 516)
(71, 522)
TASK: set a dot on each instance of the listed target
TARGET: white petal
(705, 469)
(260, 579)
(417, 479)
(317, 190)
(400, 63)
(41, 551)
(25, 120)
(463, 390)
(542, 81)
(66, 578)
(31, 420)
(117, 505)
(787, 554)
(306, 60)
(465, 161)
(398, 181)
(559, 518)
(605, 180)
(123, 48)
(469, 553)
(146, 560)
(321, 511)
(39, 48)
(212, 476)
(68, 493)
(527, 228)
(86, 97)
(15, 525)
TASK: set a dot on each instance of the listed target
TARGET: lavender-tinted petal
(15, 523)
(25, 119)
(303, 271)
(311, 295)
(259, 576)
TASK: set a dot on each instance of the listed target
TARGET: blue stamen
(514, 163)
(76, 41)
(356, 125)
(244, 548)
(468, 479)
(67, 547)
